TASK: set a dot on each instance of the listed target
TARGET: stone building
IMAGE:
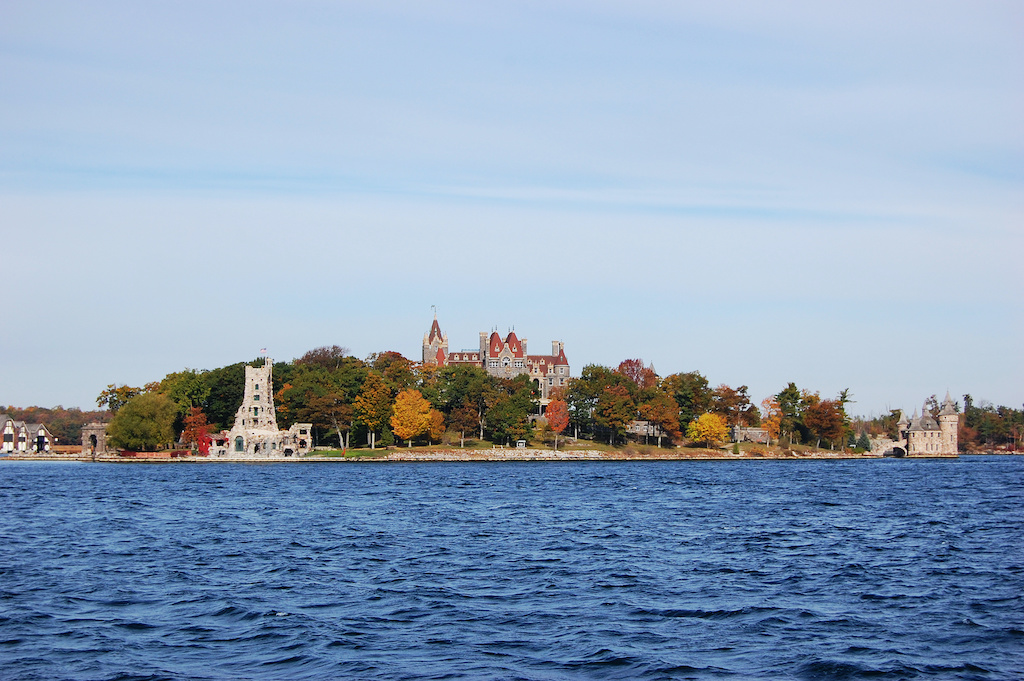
(24, 438)
(502, 357)
(94, 439)
(924, 435)
(255, 433)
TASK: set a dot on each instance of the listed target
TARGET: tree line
(388, 398)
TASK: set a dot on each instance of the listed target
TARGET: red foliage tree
(557, 415)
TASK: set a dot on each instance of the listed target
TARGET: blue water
(621, 570)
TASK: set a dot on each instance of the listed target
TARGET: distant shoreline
(489, 455)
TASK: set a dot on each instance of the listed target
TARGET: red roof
(440, 356)
(435, 331)
(495, 344)
(513, 344)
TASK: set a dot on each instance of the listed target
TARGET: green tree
(691, 392)
(864, 442)
(144, 423)
(116, 396)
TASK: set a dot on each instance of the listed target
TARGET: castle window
(255, 411)
(561, 370)
(256, 386)
(255, 398)
(505, 361)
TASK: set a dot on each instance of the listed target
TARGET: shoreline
(487, 455)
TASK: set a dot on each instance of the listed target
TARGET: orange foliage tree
(411, 415)
(557, 415)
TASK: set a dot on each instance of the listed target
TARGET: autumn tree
(824, 419)
(709, 429)
(634, 370)
(196, 428)
(328, 357)
(615, 409)
(557, 415)
(771, 418)
(663, 412)
(394, 368)
(143, 423)
(435, 429)
(411, 415)
(733, 404)
(463, 419)
(373, 405)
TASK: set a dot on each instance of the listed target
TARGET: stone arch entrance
(92, 442)
(239, 444)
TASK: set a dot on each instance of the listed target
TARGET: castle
(502, 357)
(923, 435)
(255, 431)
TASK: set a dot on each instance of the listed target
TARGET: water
(620, 570)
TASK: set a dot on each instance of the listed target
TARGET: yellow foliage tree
(436, 429)
(411, 415)
(707, 428)
(771, 418)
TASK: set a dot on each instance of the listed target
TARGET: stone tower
(434, 342)
(257, 410)
(949, 425)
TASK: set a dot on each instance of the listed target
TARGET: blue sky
(764, 192)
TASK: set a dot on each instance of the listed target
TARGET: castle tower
(257, 410)
(433, 341)
(949, 422)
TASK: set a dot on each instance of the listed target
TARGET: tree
(641, 376)
(144, 422)
(411, 415)
(771, 418)
(186, 389)
(373, 405)
(116, 396)
(329, 357)
(864, 442)
(196, 428)
(462, 419)
(824, 419)
(709, 428)
(510, 402)
(733, 404)
(435, 429)
(789, 405)
(329, 410)
(662, 411)
(615, 409)
(396, 370)
(557, 415)
(691, 392)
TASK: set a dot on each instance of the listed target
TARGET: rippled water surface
(617, 570)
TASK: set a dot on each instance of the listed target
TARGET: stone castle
(255, 433)
(502, 357)
(924, 435)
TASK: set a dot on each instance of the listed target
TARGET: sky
(830, 194)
